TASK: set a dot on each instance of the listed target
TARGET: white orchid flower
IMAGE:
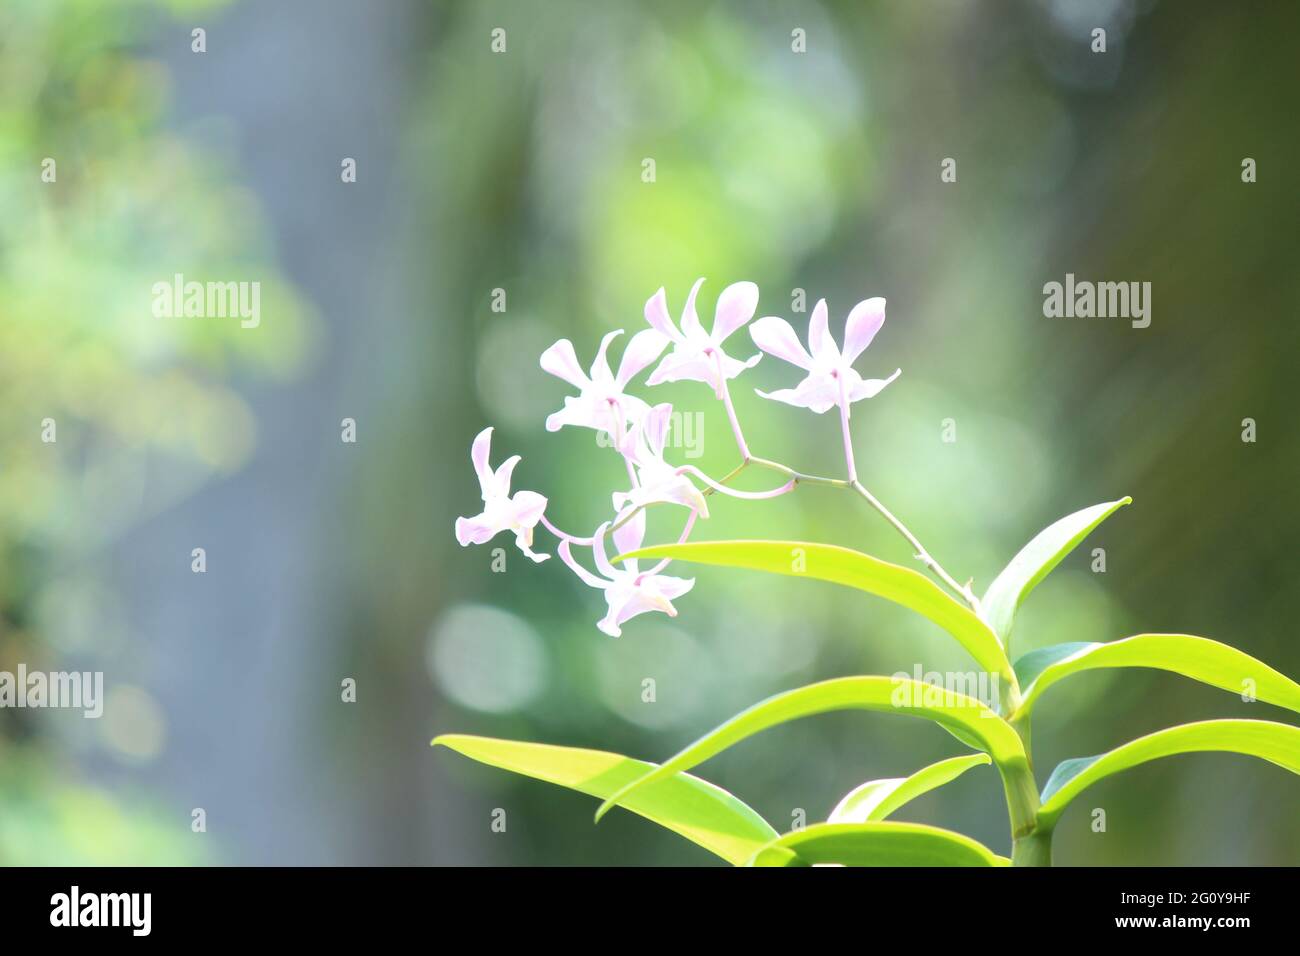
(831, 379)
(628, 590)
(501, 511)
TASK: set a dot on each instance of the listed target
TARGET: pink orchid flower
(831, 379)
(654, 480)
(601, 403)
(501, 511)
(628, 590)
(697, 355)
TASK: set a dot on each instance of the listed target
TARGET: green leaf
(877, 799)
(880, 843)
(1199, 658)
(854, 569)
(704, 814)
(957, 712)
(1035, 561)
(1278, 743)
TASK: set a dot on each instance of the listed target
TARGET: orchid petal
(871, 387)
(501, 479)
(735, 307)
(600, 555)
(673, 588)
(820, 342)
(524, 541)
(655, 428)
(574, 412)
(861, 327)
(583, 574)
(638, 601)
(561, 361)
(475, 530)
(679, 366)
(600, 366)
(642, 349)
(775, 336)
(817, 392)
(526, 508)
(690, 318)
(656, 313)
(630, 535)
(478, 454)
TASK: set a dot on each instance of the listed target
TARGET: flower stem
(848, 438)
(922, 555)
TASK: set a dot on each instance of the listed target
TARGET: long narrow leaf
(966, 716)
(1035, 561)
(1278, 743)
(880, 843)
(877, 799)
(1199, 658)
(854, 569)
(704, 814)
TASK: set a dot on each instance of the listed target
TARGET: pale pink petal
(817, 392)
(524, 541)
(670, 587)
(574, 412)
(629, 536)
(691, 318)
(561, 361)
(683, 492)
(600, 555)
(732, 367)
(475, 530)
(655, 428)
(863, 323)
(526, 508)
(656, 313)
(600, 367)
(775, 337)
(643, 349)
(609, 624)
(735, 307)
(871, 387)
(501, 480)
(583, 574)
(623, 608)
(478, 454)
(689, 366)
(820, 342)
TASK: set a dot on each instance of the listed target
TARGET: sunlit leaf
(854, 569)
(877, 799)
(1199, 658)
(1035, 561)
(1278, 743)
(704, 814)
(884, 694)
(879, 843)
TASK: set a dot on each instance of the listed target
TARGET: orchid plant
(858, 831)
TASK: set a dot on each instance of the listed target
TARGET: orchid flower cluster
(638, 432)
(856, 832)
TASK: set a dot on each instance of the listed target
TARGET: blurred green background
(522, 171)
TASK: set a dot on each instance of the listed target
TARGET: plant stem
(798, 476)
(922, 555)
(1030, 845)
(1033, 850)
